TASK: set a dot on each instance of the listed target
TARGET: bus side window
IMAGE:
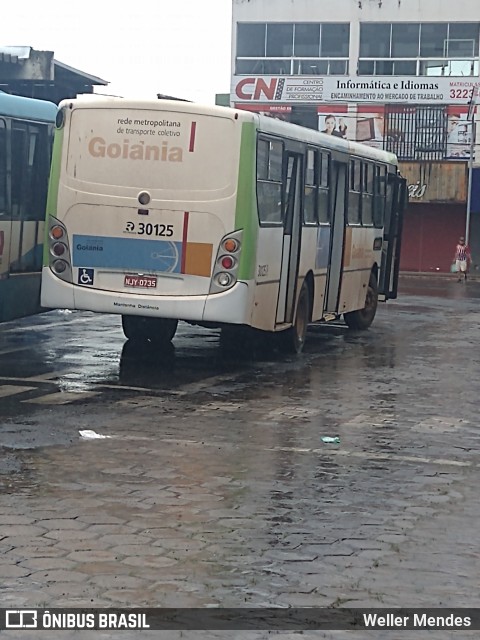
(262, 160)
(367, 195)
(323, 191)
(3, 167)
(379, 197)
(39, 166)
(388, 206)
(354, 195)
(311, 188)
(30, 169)
(19, 174)
(269, 181)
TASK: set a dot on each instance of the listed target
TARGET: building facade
(393, 74)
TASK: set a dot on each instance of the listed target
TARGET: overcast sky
(142, 47)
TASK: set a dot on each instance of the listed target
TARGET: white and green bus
(165, 211)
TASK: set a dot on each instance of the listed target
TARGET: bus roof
(27, 108)
(263, 122)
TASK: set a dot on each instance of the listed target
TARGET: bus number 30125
(149, 229)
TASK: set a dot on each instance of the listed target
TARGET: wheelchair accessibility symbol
(85, 276)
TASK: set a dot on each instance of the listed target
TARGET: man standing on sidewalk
(462, 259)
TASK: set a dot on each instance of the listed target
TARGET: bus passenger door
(392, 234)
(338, 209)
(291, 239)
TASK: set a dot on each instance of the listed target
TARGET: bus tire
(157, 330)
(363, 318)
(293, 339)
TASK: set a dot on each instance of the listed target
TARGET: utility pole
(471, 118)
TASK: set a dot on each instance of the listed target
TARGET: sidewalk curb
(432, 275)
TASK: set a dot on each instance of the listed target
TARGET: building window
(320, 67)
(251, 67)
(251, 40)
(337, 67)
(277, 67)
(310, 67)
(387, 68)
(279, 40)
(335, 40)
(307, 40)
(404, 68)
(375, 40)
(405, 40)
(384, 68)
(466, 31)
(432, 39)
(436, 48)
(304, 48)
(366, 68)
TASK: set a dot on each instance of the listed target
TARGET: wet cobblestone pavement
(214, 487)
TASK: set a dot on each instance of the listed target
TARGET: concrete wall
(355, 10)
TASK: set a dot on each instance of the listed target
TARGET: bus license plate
(148, 282)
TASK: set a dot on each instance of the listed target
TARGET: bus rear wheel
(363, 318)
(157, 330)
(293, 339)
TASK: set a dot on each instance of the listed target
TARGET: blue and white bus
(26, 134)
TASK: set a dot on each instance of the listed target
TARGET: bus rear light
(231, 245)
(59, 266)
(56, 232)
(227, 262)
(224, 279)
(59, 249)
